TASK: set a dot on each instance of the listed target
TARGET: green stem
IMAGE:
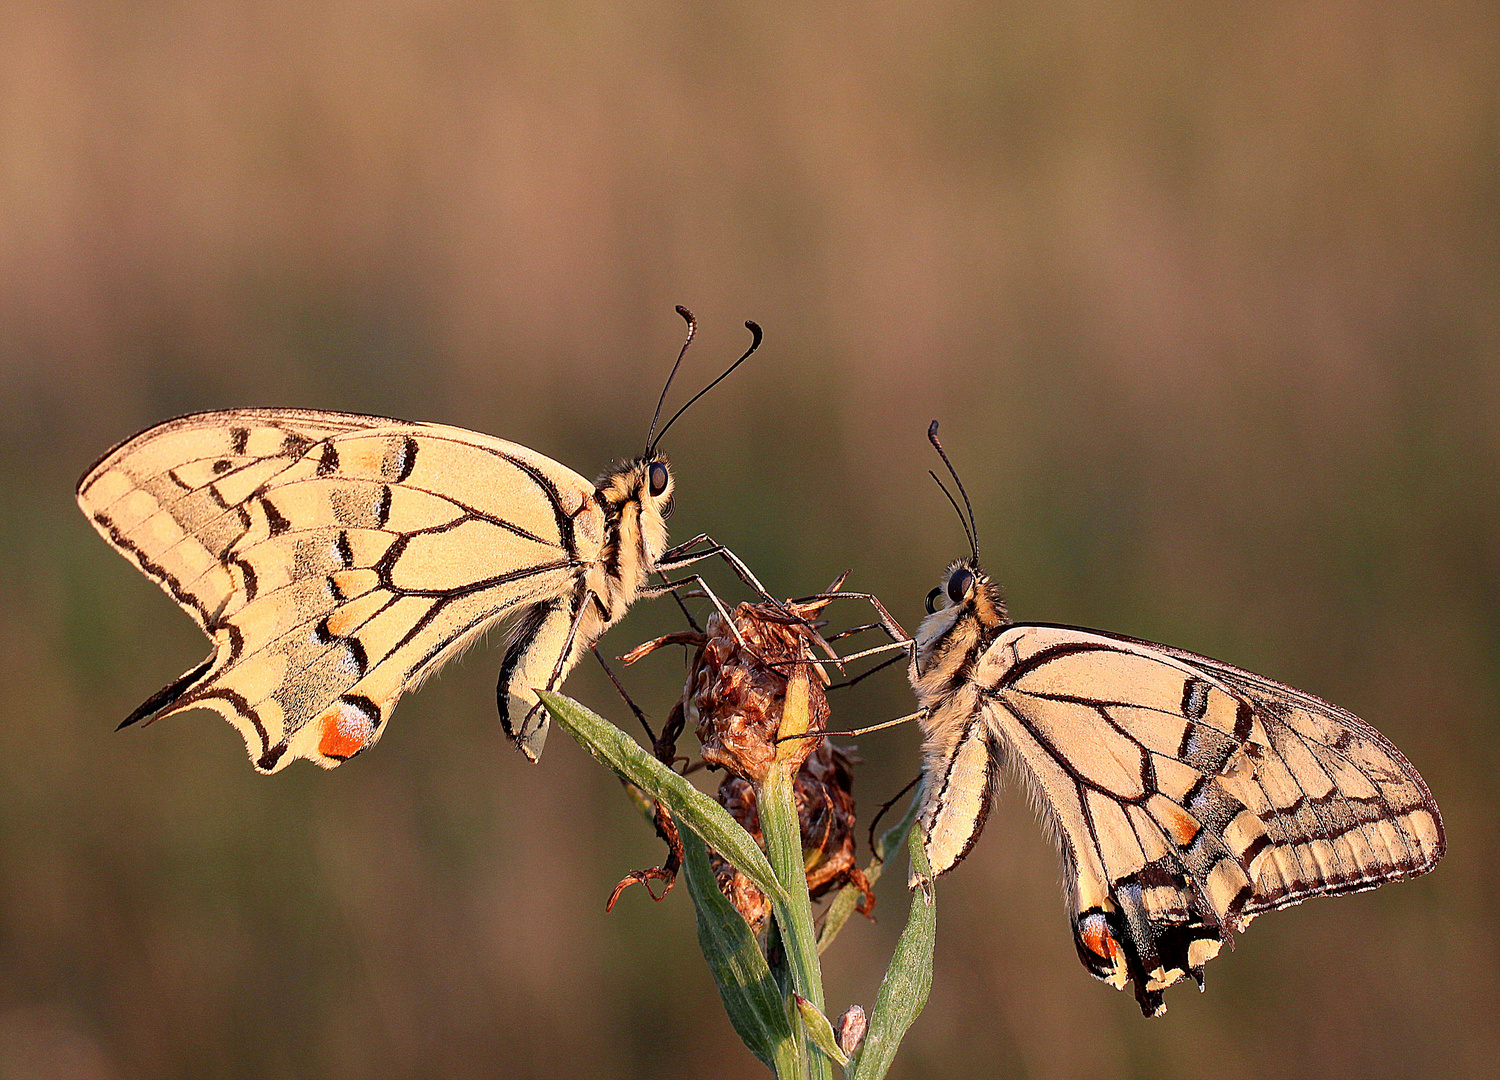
(904, 989)
(783, 834)
(752, 999)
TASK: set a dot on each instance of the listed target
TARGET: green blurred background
(1207, 297)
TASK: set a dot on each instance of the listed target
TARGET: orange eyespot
(343, 732)
(1098, 939)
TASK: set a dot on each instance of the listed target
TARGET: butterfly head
(647, 480)
(966, 593)
(966, 609)
(637, 499)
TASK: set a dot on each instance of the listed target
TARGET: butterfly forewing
(334, 559)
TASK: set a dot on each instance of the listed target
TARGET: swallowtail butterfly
(1187, 795)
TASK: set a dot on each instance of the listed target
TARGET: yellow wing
(335, 560)
(1187, 795)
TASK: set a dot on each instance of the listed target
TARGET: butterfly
(337, 560)
(1186, 795)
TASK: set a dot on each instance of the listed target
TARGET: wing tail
(167, 696)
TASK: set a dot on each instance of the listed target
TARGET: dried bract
(823, 792)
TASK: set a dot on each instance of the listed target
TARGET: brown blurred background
(1206, 296)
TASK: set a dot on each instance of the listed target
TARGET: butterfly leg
(683, 555)
(886, 623)
(620, 689)
(890, 646)
(860, 731)
(653, 591)
(863, 675)
(900, 639)
(883, 724)
(674, 558)
(665, 750)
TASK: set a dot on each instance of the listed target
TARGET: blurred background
(1206, 296)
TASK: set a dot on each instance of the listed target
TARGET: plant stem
(751, 997)
(783, 835)
(907, 981)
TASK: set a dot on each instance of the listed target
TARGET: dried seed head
(823, 790)
(743, 694)
(738, 797)
(743, 893)
(737, 697)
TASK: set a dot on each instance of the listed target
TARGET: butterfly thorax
(632, 509)
(635, 533)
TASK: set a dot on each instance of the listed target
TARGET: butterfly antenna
(755, 336)
(973, 529)
(692, 329)
(957, 510)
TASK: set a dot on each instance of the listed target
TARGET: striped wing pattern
(335, 560)
(1188, 796)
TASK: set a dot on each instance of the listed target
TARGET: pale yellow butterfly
(338, 560)
(1186, 795)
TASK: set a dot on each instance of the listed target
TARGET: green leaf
(903, 991)
(751, 997)
(690, 806)
(819, 1029)
(847, 898)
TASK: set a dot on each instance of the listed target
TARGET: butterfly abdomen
(624, 513)
(961, 767)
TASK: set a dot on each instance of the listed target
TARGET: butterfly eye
(932, 599)
(959, 584)
(658, 477)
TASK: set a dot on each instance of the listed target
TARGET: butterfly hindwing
(1186, 795)
(335, 560)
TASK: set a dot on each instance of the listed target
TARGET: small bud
(851, 1029)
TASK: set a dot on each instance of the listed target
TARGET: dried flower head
(751, 694)
(736, 694)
